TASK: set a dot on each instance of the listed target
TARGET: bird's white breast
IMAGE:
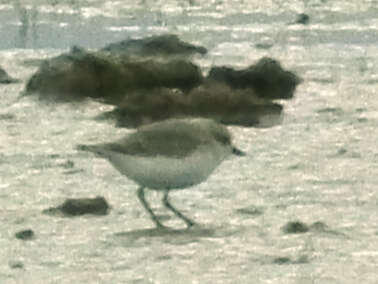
(161, 172)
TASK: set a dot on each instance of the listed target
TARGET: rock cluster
(152, 79)
(215, 101)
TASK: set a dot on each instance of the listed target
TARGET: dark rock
(73, 76)
(232, 106)
(7, 116)
(302, 19)
(287, 260)
(73, 172)
(79, 74)
(252, 210)
(282, 260)
(25, 235)
(67, 164)
(179, 74)
(147, 106)
(267, 78)
(316, 228)
(218, 102)
(332, 110)
(15, 264)
(264, 45)
(295, 227)
(5, 78)
(80, 206)
(161, 45)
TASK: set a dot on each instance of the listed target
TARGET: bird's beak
(238, 152)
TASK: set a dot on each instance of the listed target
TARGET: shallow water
(321, 164)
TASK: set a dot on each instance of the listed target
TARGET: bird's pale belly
(167, 173)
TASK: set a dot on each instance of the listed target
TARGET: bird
(167, 155)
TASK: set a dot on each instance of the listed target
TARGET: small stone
(282, 260)
(295, 227)
(80, 206)
(15, 264)
(254, 211)
(67, 164)
(161, 45)
(25, 235)
(303, 19)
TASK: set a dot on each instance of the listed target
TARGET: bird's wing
(149, 142)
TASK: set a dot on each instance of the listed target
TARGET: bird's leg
(166, 203)
(148, 208)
